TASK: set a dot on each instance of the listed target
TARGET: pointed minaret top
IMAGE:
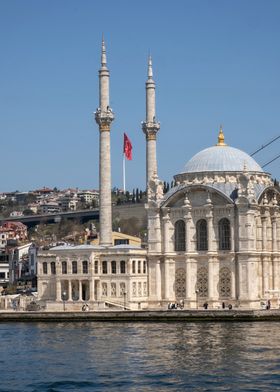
(103, 53)
(150, 68)
(221, 138)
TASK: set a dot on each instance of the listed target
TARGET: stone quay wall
(143, 316)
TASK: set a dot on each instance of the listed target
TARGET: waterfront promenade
(143, 315)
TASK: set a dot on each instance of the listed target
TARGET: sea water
(92, 356)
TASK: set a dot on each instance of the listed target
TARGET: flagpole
(124, 172)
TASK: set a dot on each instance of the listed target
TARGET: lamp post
(124, 298)
(64, 296)
(197, 292)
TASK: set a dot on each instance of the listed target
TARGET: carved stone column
(91, 290)
(210, 230)
(58, 290)
(266, 274)
(98, 291)
(158, 280)
(166, 226)
(187, 218)
(274, 233)
(188, 264)
(69, 290)
(210, 279)
(80, 289)
(166, 279)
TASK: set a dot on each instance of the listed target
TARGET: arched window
(74, 267)
(85, 267)
(96, 266)
(53, 269)
(45, 268)
(133, 266)
(201, 235)
(224, 234)
(180, 236)
(113, 267)
(64, 267)
(104, 267)
(122, 267)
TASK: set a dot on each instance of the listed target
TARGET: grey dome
(221, 158)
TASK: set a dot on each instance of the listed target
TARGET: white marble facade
(213, 238)
(71, 277)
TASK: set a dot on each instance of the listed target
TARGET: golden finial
(221, 138)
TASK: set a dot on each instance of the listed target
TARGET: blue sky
(214, 62)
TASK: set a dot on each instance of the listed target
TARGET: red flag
(127, 147)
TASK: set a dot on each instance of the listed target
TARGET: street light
(64, 296)
(124, 298)
(197, 292)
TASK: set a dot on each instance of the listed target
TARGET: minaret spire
(103, 54)
(104, 116)
(150, 68)
(150, 126)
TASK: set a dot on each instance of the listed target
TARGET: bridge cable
(265, 145)
(274, 159)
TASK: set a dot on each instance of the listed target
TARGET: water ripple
(140, 357)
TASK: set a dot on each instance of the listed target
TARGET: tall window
(113, 289)
(144, 267)
(45, 268)
(74, 267)
(139, 267)
(96, 266)
(224, 234)
(180, 236)
(64, 267)
(104, 267)
(133, 266)
(113, 267)
(53, 269)
(104, 288)
(85, 267)
(122, 289)
(201, 235)
(122, 267)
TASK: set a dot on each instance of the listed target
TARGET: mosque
(213, 238)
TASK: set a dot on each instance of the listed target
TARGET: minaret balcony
(150, 127)
(104, 117)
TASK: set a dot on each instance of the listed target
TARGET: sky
(214, 61)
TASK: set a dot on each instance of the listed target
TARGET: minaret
(104, 116)
(150, 126)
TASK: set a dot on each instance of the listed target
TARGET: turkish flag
(127, 147)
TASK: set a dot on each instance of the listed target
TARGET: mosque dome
(221, 158)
